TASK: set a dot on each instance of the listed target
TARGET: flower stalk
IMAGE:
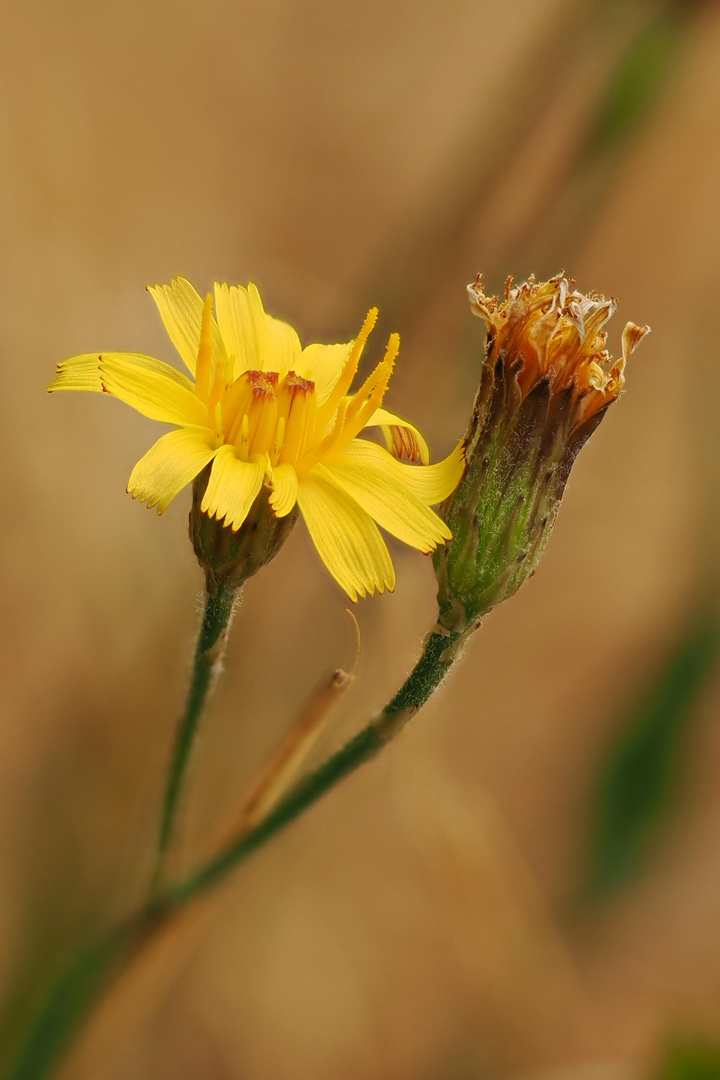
(440, 653)
(94, 968)
(206, 667)
(228, 558)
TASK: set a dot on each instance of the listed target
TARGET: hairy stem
(94, 969)
(439, 654)
(208, 658)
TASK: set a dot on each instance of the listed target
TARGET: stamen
(246, 395)
(298, 408)
(264, 420)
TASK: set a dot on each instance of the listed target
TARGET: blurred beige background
(421, 922)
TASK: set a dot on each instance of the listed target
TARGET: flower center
(262, 414)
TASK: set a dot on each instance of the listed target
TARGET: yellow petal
(323, 364)
(181, 309)
(232, 488)
(347, 539)
(403, 440)
(78, 373)
(283, 346)
(367, 400)
(171, 463)
(380, 491)
(83, 372)
(256, 340)
(284, 489)
(430, 483)
(257, 327)
(350, 367)
(153, 388)
(233, 316)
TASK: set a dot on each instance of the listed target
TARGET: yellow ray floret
(264, 413)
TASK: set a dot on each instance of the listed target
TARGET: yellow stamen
(245, 436)
(248, 396)
(298, 407)
(279, 438)
(263, 418)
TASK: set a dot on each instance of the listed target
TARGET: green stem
(94, 968)
(360, 749)
(208, 658)
(439, 654)
(75, 992)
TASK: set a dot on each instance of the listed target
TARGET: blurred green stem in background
(697, 1060)
(637, 782)
(74, 992)
(94, 967)
(639, 78)
(208, 660)
(629, 97)
(647, 45)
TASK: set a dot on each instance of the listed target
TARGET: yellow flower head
(266, 413)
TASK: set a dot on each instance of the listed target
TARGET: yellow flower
(267, 413)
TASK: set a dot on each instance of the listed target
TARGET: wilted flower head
(552, 335)
(546, 382)
(264, 427)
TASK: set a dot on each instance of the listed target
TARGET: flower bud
(229, 557)
(546, 383)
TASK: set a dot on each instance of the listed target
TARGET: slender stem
(94, 969)
(208, 658)
(75, 993)
(360, 749)
(439, 654)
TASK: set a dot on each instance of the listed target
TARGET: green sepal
(229, 558)
(520, 453)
